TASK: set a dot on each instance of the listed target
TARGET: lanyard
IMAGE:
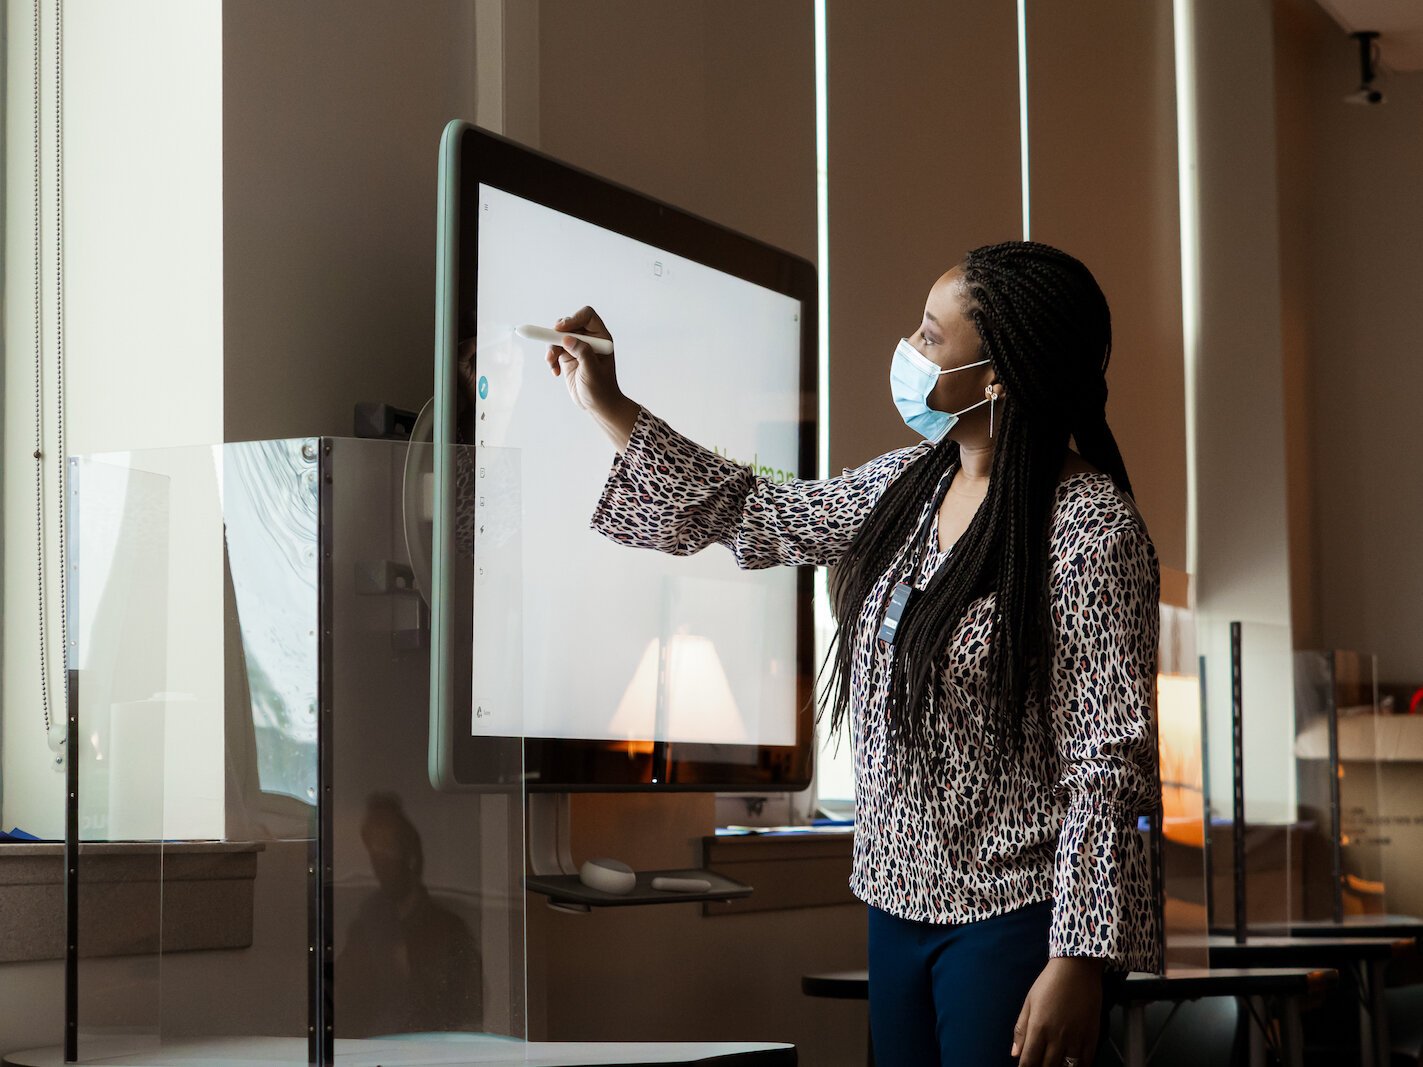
(904, 591)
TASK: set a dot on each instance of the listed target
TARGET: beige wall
(1352, 272)
(1103, 185)
(332, 113)
(1236, 370)
(709, 104)
(923, 166)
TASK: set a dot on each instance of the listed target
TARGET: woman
(996, 655)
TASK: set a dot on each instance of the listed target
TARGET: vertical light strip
(1183, 18)
(822, 238)
(1023, 111)
(827, 766)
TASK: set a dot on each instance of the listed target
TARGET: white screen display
(718, 358)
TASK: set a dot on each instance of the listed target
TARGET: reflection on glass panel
(119, 552)
(427, 883)
(119, 546)
(269, 510)
(1343, 746)
(1178, 702)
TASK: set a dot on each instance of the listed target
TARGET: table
(1291, 988)
(1363, 958)
(1260, 991)
(1352, 926)
(451, 1050)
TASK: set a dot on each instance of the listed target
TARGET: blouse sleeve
(1103, 688)
(670, 494)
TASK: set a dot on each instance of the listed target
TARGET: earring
(992, 403)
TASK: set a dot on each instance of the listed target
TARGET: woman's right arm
(668, 493)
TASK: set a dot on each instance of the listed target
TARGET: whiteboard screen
(621, 644)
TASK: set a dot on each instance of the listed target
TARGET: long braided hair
(1044, 325)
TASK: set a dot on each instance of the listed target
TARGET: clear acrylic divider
(1252, 665)
(1183, 830)
(1342, 744)
(427, 877)
(1398, 752)
(210, 862)
(119, 548)
(263, 854)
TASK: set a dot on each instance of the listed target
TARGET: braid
(1044, 324)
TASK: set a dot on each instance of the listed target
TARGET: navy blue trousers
(949, 995)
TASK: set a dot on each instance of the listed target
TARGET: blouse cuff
(656, 481)
(622, 483)
(1101, 861)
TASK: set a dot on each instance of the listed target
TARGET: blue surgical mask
(912, 376)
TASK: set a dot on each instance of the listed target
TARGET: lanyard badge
(903, 591)
(898, 601)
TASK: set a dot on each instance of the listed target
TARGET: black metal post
(71, 771)
(1336, 827)
(1238, 773)
(1207, 842)
(71, 871)
(321, 1035)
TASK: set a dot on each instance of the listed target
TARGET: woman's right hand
(592, 379)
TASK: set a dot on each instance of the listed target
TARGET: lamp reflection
(1178, 703)
(679, 692)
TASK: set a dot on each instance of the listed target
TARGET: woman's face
(947, 337)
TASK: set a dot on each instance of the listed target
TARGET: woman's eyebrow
(930, 316)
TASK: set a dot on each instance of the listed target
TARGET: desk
(1291, 988)
(1352, 926)
(1260, 991)
(454, 1050)
(1364, 958)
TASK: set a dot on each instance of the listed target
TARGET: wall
(1349, 178)
(1234, 367)
(924, 165)
(332, 114)
(711, 105)
(1103, 186)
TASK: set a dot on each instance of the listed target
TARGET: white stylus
(543, 335)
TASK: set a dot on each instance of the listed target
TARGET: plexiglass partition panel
(1342, 744)
(427, 881)
(1182, 857)
(1399, 754)
(266, 869)
(118, 633)
(1249, 668)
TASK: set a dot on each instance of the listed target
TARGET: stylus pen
(543, 335)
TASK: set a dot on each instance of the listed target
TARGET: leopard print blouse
(1061, 824)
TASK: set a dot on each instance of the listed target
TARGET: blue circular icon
(483, 388)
